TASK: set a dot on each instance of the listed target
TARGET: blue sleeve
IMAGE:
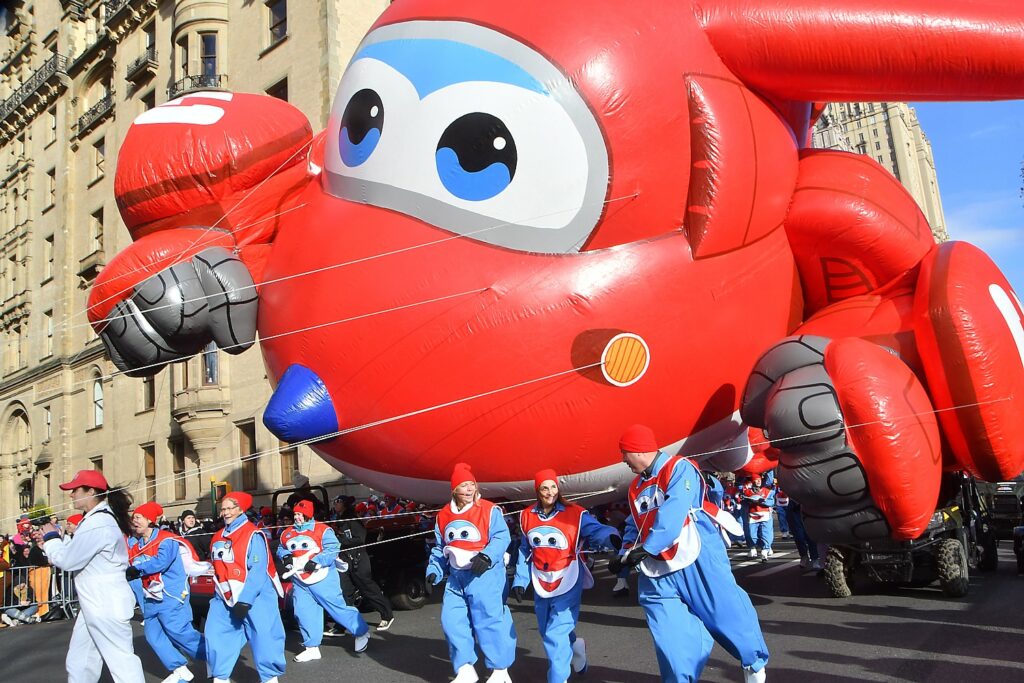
(331, 548)
(682, 495)
(629, 536)
(522, 578)
(594, 534)
(165, 556)
(500, 537)
(256, 564)
(282, 550)
(770, 500)
(716, 492)
(438, 563)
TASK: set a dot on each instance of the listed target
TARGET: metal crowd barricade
(53, 591)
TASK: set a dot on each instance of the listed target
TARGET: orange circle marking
(625, 359)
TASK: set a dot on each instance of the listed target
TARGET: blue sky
(978, 151)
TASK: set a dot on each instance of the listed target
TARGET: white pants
(103, 633)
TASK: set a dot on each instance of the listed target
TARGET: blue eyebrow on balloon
(431, 64)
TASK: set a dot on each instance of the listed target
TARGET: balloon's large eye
(361, 127)
(476, 157)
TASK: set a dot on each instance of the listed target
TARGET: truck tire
(837, 574)
(951, 563)
(408, 592)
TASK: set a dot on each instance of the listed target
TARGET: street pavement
(879, 635)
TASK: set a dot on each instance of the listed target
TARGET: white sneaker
(7, 620)
(271, 680)
(817, 565)
(385, 624)
(466, 674)
(308, 655)
(180, 674)
(499, 676)
(621, 587)
(754, 676)
(752, 552)
(805, 563)
(770, 552)
(579, 656)
(362, 642)
(222, 680)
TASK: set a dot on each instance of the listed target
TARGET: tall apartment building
(75, 73)
(890, 133)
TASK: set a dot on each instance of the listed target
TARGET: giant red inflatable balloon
(531, 224)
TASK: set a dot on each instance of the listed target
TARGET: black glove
(132, 573)
(479, 564)
(615, 541)
(240, 609)
(636, 556)
(286, 560)
(518, 592)
(432, 580)
(310, 567)
(615, 564)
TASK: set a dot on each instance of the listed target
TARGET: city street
(905, 635)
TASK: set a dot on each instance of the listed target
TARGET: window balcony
(57, 64)
(145, 65)
(201, 82)
(113, 7)
(95, 113)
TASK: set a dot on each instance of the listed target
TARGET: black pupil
(643, 505)
(536, 540)
(363, 113)
(480, 140)
(465, 534)
(451, 535)
(552, 541)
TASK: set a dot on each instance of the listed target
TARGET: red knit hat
(150, 511)
(638, 439)
(461, 474)
(305, 507)
(241, 498)
(76, 519)
(543, 476)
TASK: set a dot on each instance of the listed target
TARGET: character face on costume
(548, 537)
(469, 130)
(461, 530)
(649, 498)
(301, 544)
(223, 551)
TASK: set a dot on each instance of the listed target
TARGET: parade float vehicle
(959, 539)
(1006, 506)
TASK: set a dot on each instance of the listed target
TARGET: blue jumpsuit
(310, 601)
(262, 627)
(474, 605)
(557, 616)
(689, 606)
(761, 533)
(168, 622)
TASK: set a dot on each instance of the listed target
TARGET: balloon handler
(471, 539)
(554, 533)
(686, 585)
(160, 565)
(247, 585)
(309, 549)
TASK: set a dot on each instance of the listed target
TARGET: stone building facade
(889, 133)
(75, 73)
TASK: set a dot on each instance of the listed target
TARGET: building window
(16, 334)
(148, 393)
(97, 402)
(148, 100)
(48, 422)
(149, 463)
(149, 33)
(97, 463)
(96, 231)
(289, 463)
(211, 373)
(247, 453)
(20, 147)
(279, 90)
(178, 466)
(51, 187)
(47, 257)
(878, 146)
(208, 53)
(48, 322)
(278, 13)
(51, 120)
(183, 56)
(99, 154)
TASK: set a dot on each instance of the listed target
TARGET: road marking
(772, 570)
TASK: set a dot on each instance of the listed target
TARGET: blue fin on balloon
(301, 408)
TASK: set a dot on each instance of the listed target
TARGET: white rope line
(340, 432)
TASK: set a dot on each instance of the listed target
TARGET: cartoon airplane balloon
(529, 225)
